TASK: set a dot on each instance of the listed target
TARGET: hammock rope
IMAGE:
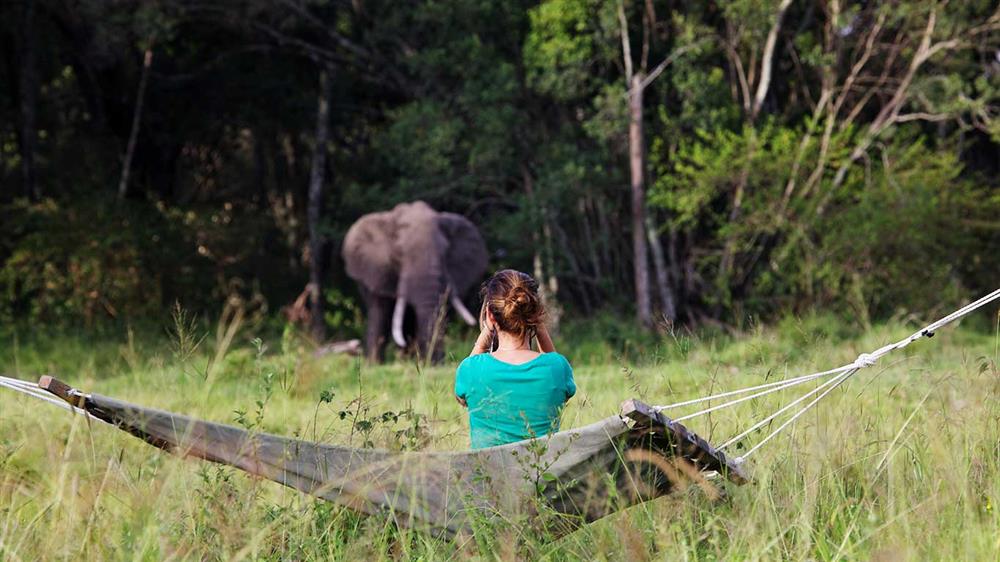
(782, 383)
(789, 384)
(863, 361)
(835, 383)
(32, 389)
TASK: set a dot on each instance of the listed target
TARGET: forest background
(706, 163)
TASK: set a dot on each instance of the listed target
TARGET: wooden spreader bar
(62, 390)
(683, 442)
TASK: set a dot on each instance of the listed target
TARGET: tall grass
(901, 463)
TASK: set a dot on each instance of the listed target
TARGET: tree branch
(767, 60)
(923, 116)
(133, 136)
(667, 62)
(734, 59)
(337, 38)
(890, 111)
(626, 46)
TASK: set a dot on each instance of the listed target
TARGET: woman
(512, 392)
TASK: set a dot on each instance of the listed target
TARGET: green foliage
(457, 141)
(84, 262)
(424, 136)
(77, 261)
(344, 315)
(570, 41)
(900, 232)
(513, 113)
(871, 246)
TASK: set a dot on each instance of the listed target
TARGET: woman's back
(510, 402)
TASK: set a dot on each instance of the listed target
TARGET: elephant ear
(368, 253)
(466, 257)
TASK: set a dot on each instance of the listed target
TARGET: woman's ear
(491, 322)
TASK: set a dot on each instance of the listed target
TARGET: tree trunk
(637, 166)
(536, 260)
(675, 273)
(543, 264)
(28, 86)
(574, 267)
(666, 293)
(314, 211)
(588, 233)
(767, 60)
(133, 136)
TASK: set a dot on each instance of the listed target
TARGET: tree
(581, 52)
(133, 137)
(317, 179)
(636, 81)
(751, 107)
(842, 86)
(792, 154)
(28, 103)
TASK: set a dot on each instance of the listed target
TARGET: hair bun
(520, 306)
(520, 296)
(513, 299)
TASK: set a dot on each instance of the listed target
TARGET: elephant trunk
(397, 322)
(424, 294)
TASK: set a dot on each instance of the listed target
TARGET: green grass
(901, 463)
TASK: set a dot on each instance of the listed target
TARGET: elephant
(412, 257)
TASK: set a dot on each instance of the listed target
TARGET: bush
(90, 260)
(903, 232)
(83, 261)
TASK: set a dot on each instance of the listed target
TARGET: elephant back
(368, 253)
(467, 256)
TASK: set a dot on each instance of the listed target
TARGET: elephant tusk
(397, 322)
(462, 311)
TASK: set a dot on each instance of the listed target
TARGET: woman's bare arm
(544, 341)
(483, 342)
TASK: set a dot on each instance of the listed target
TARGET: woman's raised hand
(544, 341)
(484, 342)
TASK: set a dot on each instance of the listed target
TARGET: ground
(901, 463)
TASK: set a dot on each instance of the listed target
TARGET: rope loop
(864, 360)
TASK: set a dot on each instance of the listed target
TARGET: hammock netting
(566, 479)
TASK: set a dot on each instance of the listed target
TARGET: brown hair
(512, 297)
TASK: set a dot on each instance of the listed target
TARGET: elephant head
(412, 257)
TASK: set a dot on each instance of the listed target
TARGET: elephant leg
(379, 311)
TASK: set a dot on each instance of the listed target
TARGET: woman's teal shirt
(507, 402)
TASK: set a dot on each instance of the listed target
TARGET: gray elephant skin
(413, 257)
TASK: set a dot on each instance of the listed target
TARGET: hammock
(562, 480)
(569, 478)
